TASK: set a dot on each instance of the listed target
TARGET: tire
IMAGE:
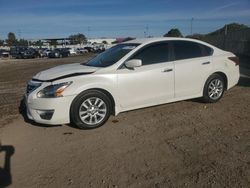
(214, 89)
(89, 116)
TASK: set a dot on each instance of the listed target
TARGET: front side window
(155, 53)
(112, 55)
(187, 50)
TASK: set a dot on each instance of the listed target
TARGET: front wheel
(214, 88)
(90, 110)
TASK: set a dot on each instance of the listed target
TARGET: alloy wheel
(215, 89)
(92, 111)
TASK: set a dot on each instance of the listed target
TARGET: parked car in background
(81, 50)
(17, 52)
(72, 51)
(131, 75)
(23, 52)
(99, 49)
(46, 52)
(4, 53)
(31, 53)
(59, 53)
(90, 49)
(40, 51)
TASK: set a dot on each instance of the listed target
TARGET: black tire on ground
(77, 103)
(209, 83)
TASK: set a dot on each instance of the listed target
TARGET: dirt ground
(183, 144)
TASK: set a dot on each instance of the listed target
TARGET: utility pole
(191, 26)
(225, 37)
(147, 28)
(226, 29)
(19, 33)
(88, 31)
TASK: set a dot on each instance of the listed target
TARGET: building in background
(101, 41)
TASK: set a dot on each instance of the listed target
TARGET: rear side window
(187, 50)
(207, 51)
(155, 53)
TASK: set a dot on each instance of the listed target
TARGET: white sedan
(131, 75)
(72, 51)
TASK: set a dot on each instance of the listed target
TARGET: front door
(150, 84)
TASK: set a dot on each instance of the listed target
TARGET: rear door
(193, 64)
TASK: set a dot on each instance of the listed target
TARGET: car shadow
(22, 111)
(245, 74)
(5, 171)
(196, 100)
(244, 82)
(71, 125)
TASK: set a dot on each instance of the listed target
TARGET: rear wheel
(90, 110)
(214, 88)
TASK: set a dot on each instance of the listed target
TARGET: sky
(35, 19)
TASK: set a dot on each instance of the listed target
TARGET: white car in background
(131, 75)
(81, 50)
(72, 51)
(46, 53)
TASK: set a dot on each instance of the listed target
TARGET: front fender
(107, 82)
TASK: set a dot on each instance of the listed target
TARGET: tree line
(81, 38)
(13, 41)
(232, 27)
(73, 39)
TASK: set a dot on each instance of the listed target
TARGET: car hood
(64, 71)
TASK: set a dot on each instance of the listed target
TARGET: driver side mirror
(133, 63)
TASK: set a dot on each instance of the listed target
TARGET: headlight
(52, 91)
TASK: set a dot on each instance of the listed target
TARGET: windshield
(111, 56)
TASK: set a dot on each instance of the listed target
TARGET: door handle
(206, 63)
(167, 70)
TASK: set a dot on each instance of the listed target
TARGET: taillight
(235, 59)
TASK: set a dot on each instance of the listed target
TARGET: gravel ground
(187, 143)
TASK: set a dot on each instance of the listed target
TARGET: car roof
(160, 39)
